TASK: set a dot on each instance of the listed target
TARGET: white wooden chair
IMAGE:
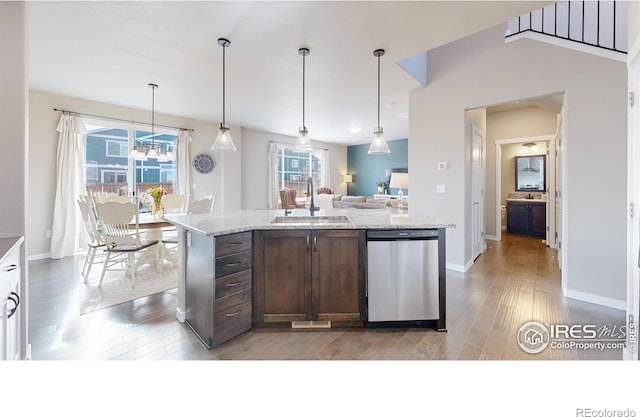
(105, 198)
(203, 206)
(121, 234)
(95, 236)
(172, 204)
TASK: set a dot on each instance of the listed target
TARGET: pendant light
(223, 141)
(303, 144)
(153, 153)
(379, 145)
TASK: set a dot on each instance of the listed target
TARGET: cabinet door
(337, 274)
(517, 217)
(282, 272)
(538, 219)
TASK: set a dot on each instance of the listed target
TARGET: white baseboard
(459, 268)
(491, 237)
(39, 256)
(180, 315)
(595, 299)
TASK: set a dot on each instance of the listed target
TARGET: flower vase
(157, 209)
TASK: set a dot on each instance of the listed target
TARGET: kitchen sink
(311, 220)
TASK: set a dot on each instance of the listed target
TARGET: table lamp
(399, 180)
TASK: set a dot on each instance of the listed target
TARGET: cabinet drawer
(232, 316)
(233, 283)
(233, 243)
(233, 263)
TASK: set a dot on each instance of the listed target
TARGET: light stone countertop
(244, 220)
(7, 244)
(534, 200)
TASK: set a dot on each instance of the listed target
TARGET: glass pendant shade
(378, 145)
(141, 155)
(170, 155)
(162, 156)
(153, 152)
(133, 154)
(223, 141)
(303, 143)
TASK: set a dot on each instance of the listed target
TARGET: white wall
(520, 123)
(481, 70)
(255, 166)
(634, 23)
(13, 117)
(43, 139)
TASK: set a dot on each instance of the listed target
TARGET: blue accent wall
(368, 169)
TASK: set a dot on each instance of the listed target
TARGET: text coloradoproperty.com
(586, 345)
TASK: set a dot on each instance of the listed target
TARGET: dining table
(153, 230)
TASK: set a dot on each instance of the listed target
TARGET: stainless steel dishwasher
(405, 278)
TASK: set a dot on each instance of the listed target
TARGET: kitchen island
(262, 268)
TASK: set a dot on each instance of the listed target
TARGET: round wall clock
(204, 163)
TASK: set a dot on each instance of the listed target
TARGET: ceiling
(110, 51)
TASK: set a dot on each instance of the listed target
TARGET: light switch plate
(440, 189)
(442, 166)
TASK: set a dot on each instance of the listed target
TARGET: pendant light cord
(303, 78)
(378, 91)
(153, 114)
(223, 84)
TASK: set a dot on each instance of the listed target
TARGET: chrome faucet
(312, 207)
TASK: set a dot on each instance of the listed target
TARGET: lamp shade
(399, 180)
(347, 178)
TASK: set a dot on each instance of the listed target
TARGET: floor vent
(311, 324)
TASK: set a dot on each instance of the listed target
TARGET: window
(108, 166)
(295, 168)
(117, 148)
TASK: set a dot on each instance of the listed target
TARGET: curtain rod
(120, 120)
(293, 144)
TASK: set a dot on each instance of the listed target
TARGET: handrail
(605, 31)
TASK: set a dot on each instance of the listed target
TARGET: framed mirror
(531, 173)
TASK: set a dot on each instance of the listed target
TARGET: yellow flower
(156, 192)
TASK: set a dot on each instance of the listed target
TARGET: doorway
(508, 194)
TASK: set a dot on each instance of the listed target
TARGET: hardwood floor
(512, 282)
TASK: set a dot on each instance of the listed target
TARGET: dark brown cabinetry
(527, 218)
(302, 275)
(218, 289)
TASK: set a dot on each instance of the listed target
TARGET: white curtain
(183, 164)
(325, 176)
(274, 187)
(70, 183)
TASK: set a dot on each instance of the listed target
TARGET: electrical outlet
(442, 166)
(440, 189)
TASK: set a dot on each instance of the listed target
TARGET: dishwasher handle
(402, 234)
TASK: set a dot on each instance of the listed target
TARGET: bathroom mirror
(530, 173)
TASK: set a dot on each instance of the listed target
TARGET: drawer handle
(10, 268)
(233, 263)
(235, 313)
(234, 243)
(16, 300)
(232, 284)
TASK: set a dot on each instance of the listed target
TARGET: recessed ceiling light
(354, 129)
(391, 104)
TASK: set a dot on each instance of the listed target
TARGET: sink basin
(310, 219)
